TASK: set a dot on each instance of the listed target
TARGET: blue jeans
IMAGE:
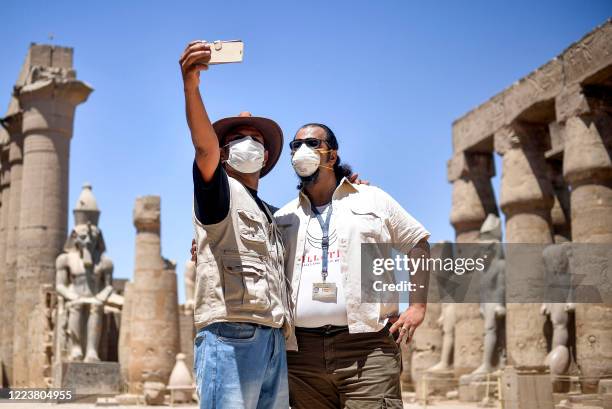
(241, 366)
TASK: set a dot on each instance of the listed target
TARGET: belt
(331, 329)
(324, 330)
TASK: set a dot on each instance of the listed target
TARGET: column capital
(49, 104)
(147, 214)
(587, 156)
(519, 135)
(464, 164)
(524, 184)
(70, 90)
(577, 100)
(12, 123)
(473, 197)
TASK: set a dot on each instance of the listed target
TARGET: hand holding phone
(200, 54)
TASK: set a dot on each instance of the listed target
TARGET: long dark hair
(340, 169)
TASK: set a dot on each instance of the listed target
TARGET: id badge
(325, 292)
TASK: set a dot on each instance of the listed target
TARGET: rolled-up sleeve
(405, 230)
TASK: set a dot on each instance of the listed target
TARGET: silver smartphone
(224, 52)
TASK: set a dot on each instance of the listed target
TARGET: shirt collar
(304, 201)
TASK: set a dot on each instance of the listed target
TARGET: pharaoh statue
(492, 294)
(446, 321)
(448, 315)
(558, 305)
(83, 283)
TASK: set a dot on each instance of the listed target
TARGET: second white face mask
(246, 155)
(305, 161)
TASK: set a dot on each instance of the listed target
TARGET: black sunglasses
(310, 142)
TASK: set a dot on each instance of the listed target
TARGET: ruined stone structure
(61, 309)
(34, 156)
(553, 129)
(150, 337)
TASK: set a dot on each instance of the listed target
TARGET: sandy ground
(24, 405)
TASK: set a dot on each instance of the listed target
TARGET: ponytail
(341, 170)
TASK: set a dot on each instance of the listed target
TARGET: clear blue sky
(388, 77)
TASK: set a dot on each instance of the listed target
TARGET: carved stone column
(5, 189)
(12, 229)
(124, 335)
(4, 193)
(473, 196)
(473, 200)
(587, 167)
(49, 104)
(527, 200)
(154, 338)
(560, 213)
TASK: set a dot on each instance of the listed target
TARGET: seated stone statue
(84, 282)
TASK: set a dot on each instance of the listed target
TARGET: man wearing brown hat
(242, 310)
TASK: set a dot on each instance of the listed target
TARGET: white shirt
(363, 214)
(312, 313)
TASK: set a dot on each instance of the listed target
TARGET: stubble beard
(310, 180)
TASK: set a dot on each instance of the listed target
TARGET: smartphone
(224, 52)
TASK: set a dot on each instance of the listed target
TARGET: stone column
(124, 335)
(5, 189)
(154, 338)
(49, 106)
(560, 213)
(4, 193)
(587, 167)
(12, 230)
(426, 345)
(527, 200)
(473, 200)
(473, 196)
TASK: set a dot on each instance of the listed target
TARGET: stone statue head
(556, 258)
(86, 237)
(491, 229)
(88, 241)
(490, 237)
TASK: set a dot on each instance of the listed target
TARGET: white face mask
(305, 161)
(246, 155)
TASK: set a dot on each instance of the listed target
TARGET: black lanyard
(325, 239)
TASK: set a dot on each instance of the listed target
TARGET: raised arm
(193, 60)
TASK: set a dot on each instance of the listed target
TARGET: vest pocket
(246, 284)
(251, 227)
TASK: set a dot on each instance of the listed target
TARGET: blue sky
(388, 77)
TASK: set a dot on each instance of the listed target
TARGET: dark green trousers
(334, 369)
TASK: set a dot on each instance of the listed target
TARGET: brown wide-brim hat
(272, 134)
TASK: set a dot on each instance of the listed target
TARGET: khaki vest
(240, 275)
